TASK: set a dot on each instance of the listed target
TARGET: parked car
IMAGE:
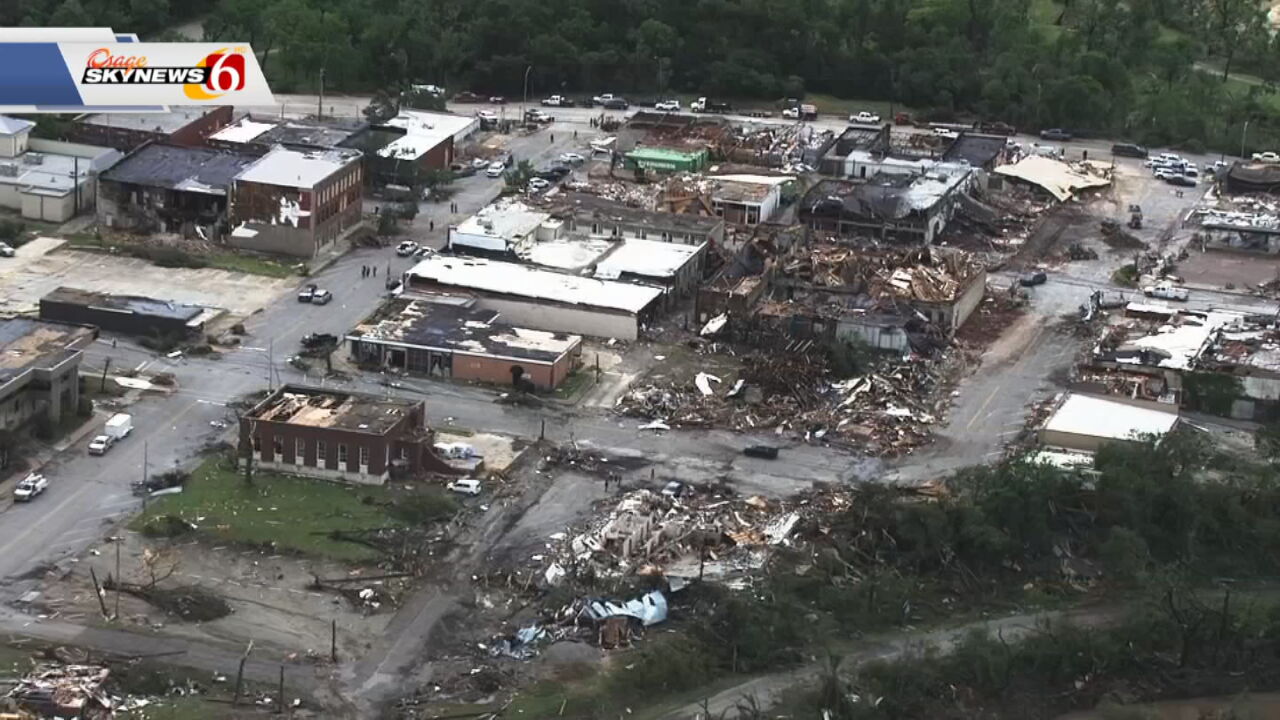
(423, 251)
(1055, 134)
(537, 184)
(304, 295)
(313, 341)
(996, 128)
(865, 118)
(1033, 279)
(30, 486)
(1181, 179)
(536, 115)
(321, 297)
(791, 113)
(406, 248)
(768, 452)
(1166, 290)
(5, 250)
(572, 158)
(1128, 150)
(616, 103)
(495, 170)
(675, 489)
(487, 116)
(1169, 158)
(497, 100)
(465, 486)
(554, 172)
(1266, 157)
(667, 106)
(1164, 173)
(947, 133)
(557, 101)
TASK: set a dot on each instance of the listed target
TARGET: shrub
(10, 230)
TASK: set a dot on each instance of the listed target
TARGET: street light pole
(525, 101)
(1244, 134)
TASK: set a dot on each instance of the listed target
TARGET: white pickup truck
(30, 486)
(557, 101)
(864, 118)
(1166, 291)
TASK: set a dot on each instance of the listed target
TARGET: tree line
(1155, 71)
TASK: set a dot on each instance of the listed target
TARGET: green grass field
(294, 513)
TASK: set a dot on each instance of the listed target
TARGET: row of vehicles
(1174, 169)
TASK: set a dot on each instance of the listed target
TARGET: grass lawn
(295, 513)
(252, 264)
(572, 385)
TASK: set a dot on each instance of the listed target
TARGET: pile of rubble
(884, 413)
(65, 691)
(924, 274)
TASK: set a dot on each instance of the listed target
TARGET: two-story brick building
(295, 202)
(348, 437)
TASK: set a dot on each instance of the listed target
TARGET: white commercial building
(540, 299)
(1086, 422)
(47, 180)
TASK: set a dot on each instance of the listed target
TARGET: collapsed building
(1247, 223)
(289, 202)
(595, 216)
(168, 188)
(1253, 177)
(448, 337)
(1161, 355)
(888, 207)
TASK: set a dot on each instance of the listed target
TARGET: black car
(555, 172)
(1055, 134)
(1129, 150)
(768, 452)
(615, 104)
(1033, 279)
(1183, 180)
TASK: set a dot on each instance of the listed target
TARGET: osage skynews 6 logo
(215, 75)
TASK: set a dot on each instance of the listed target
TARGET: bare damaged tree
(159, 566)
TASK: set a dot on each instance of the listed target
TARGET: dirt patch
(1229, 270)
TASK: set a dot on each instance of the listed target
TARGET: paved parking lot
(43, 264)
(1220, 269)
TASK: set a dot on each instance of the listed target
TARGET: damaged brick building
(296, 202)
(349, 437)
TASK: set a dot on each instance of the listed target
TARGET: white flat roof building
(506, 226)
(424, 131)
(647, 258)
(243, 131)
(537, 298)
(297, 169)
(1086, 422)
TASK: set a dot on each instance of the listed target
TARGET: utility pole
(117, 612)
(145, 491)
(271, 347)
(1243, 135)
(320, 99)
(525, 101)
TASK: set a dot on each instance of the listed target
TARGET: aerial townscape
(737, 359)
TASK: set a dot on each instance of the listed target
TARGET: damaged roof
(585, 206)
(1056, 177)
(887, 196)
(27, 344)
(975, 149)
(523, 281)
(165, 122)
(314, 407)
(125, 303)
(190, 169)
(461, 329)
(1099, 417)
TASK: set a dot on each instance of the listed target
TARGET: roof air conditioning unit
(33, 158)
